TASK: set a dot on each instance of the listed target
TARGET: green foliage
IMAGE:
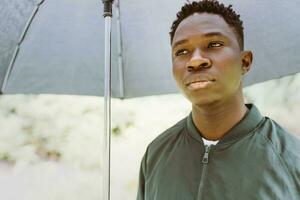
(5, 156)
(116, 131)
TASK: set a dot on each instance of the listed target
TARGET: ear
(247, 58)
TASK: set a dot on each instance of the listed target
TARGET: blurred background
(50, 144)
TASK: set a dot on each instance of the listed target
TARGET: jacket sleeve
(142, 179)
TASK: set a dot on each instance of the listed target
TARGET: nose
(198, 61)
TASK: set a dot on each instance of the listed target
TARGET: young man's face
(207, 61)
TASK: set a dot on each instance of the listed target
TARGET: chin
(203, 101)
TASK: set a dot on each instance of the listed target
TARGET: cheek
(178, 68)
(177, 73)
(232, 64)
(232, 76)
(230, 56)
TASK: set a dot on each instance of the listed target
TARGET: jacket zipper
(205, 157)
(203, 176)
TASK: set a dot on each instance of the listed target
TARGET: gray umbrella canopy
(61, 50)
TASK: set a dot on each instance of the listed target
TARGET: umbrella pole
(107, 102)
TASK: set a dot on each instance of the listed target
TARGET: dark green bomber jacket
(255, 160)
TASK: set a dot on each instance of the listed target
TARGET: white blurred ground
(50, 145)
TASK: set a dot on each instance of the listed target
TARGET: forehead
(202, 24)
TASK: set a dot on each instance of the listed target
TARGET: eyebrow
(210, 34)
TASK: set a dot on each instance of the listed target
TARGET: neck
(215, 120)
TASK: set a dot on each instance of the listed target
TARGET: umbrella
(57, 46)
(64, 43)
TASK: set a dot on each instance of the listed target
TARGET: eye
(181, 52)
(215, 44)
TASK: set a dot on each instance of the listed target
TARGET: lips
(199, 82)
(198, 79)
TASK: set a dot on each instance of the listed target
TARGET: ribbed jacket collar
(248, 124)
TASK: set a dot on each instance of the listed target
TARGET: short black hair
(214, 7)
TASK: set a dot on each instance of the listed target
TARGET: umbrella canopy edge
(16, 51)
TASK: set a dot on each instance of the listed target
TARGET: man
(224, 150)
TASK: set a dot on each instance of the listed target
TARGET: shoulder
(168, 135)
(284, 144)
(161, 146)
(281, 139)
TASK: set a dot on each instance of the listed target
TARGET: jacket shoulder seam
(278, 154)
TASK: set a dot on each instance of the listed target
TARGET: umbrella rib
(120, 47)
(15, 54)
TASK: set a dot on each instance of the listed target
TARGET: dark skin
(208, 66)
